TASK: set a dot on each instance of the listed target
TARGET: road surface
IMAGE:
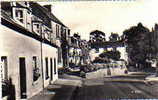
(119, 87)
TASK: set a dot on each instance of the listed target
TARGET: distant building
(84, 45)
(78, 51)
(30, 50)
(75, 52)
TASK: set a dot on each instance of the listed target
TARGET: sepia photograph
(79, 50)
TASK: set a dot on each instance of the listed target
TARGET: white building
(29, 50)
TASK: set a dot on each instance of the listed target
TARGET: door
(55, 69)
(51, 69)
(22, 77)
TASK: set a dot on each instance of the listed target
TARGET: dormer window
(19, 15)
(47, 33)
(36, 28)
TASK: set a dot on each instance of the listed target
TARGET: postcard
(79, 50)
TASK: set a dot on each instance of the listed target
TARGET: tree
(114, 37)
(115, 55)
(97, 36)
(100, 60)
(138, 44)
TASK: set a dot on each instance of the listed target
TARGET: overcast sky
(107, 16)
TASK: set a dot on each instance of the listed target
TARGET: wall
(49, 52)
(15, 45)
(104, 73)
(123, 52)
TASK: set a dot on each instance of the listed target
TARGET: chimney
(48, 7)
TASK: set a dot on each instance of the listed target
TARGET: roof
(37, 7)
(7, 21)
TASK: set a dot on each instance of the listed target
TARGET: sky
(107, 16)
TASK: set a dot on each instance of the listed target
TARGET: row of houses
(33, 47)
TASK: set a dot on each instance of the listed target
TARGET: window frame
(35, 67)
(5, 69)
(18, 17)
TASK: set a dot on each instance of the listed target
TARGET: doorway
(51, 69)
(22, 78)
(55, 69)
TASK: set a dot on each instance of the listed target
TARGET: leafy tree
(138, 44)
(114, 37)
(100, 60)
(97, 36)
(115, 55)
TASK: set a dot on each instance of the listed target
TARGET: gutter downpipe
(42, 61)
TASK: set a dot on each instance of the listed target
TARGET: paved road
(130, 86)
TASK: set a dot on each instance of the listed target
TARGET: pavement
(62, 89)
(153, 77)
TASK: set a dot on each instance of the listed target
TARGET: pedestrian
(156, 69)
(108, 70)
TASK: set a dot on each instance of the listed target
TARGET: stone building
(30, 50)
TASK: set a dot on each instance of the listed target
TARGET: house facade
(75, 52)
(30, 50)
(78, 51)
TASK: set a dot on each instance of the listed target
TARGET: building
(75, 52)
(30, 50)
(84, 45)
(78, 51)
(62, 36)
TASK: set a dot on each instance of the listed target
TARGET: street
(131, 86)
(119, 87)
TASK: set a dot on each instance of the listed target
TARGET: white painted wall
(15, 45)
(123, 53)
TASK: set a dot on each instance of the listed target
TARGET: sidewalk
(62, 89)
(152, 78)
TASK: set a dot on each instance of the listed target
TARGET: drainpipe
(42, 60)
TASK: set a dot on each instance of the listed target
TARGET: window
(26, 3)
(36, 72)
(46, 34)
(19, 15)
(57, 30)
(4, 76)
(4, 68)
(46, 71)
(59, 55)
(36, 28)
